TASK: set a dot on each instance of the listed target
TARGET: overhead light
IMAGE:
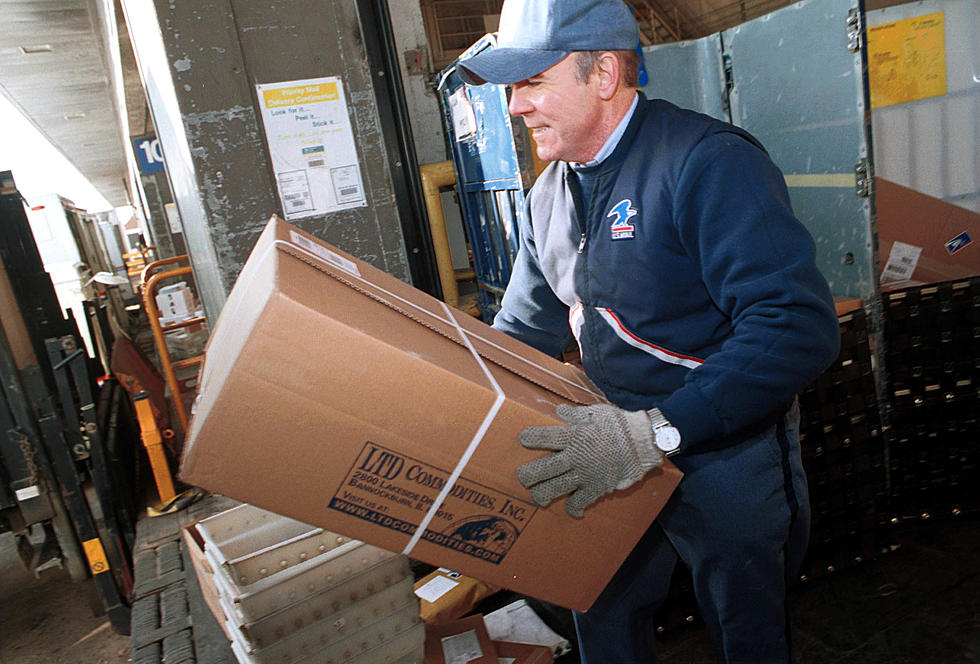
(75, 116)
(35, 48)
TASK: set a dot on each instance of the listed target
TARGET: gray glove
(603, 449)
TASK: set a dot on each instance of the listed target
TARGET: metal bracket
(854, 28)
(863, 176)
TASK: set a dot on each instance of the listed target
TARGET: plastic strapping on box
(290, 246)
(474, 443)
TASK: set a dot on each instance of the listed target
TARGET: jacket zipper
(580, 212)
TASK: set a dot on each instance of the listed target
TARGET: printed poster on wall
(311, 143)
(907, 60)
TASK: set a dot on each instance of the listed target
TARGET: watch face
(668, 439)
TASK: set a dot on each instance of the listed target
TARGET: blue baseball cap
(537, 34)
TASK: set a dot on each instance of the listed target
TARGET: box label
(395, 491)
(329, 256)
(902, 261)
(461, 648)
(435, 588)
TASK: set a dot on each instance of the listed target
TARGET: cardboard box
(175, 301)
(945, 233)
(461, 641)
(445, 595)
(522, 653)
(340, 396)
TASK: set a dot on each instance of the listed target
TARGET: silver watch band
(658, 421)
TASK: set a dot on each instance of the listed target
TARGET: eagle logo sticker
(958, 242)
(621, 213)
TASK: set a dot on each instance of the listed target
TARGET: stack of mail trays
(287, 592)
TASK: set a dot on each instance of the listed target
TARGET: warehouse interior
(171, 109)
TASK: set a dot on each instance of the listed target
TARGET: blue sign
(149, 156)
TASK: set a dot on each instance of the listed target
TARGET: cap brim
(507, 65)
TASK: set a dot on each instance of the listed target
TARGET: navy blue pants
(739, 520)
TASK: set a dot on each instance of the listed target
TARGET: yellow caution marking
(97, 561)
(821, 180)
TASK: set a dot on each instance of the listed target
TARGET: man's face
(560, 112)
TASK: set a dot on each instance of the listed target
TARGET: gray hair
(629, 65)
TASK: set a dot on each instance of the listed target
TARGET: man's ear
(607, 69)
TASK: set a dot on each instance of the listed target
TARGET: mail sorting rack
(494, 170)
(932, 336)
(844, 454)
(290, 592)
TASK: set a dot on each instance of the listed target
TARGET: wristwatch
(666, 436)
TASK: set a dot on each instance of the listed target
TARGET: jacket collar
(615, 160)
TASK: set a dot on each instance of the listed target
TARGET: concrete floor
(919, 604)
(50, 620)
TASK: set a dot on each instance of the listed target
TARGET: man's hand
(604, 448)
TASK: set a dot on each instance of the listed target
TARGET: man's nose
(518, 104)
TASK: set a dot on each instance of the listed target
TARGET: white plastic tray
(366, 597)
(299, 582)
(248, 543)
(394, 638)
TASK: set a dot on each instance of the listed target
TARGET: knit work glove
(603, 449)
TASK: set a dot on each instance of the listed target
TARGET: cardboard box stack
(337, 395)
(287, 592)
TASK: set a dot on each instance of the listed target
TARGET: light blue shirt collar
(613, 140)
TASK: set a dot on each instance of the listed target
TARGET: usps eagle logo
(621, 214)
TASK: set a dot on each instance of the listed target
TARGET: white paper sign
(902, 261)
(311, 143)
(173, 218)
(461, 110)
(519, 623)
(461, 648)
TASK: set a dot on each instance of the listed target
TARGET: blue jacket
(688, 282)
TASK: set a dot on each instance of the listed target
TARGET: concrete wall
(423, 105)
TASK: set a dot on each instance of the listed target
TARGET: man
(663, 240)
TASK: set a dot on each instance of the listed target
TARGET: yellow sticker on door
(907, 60)
(97, 561)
